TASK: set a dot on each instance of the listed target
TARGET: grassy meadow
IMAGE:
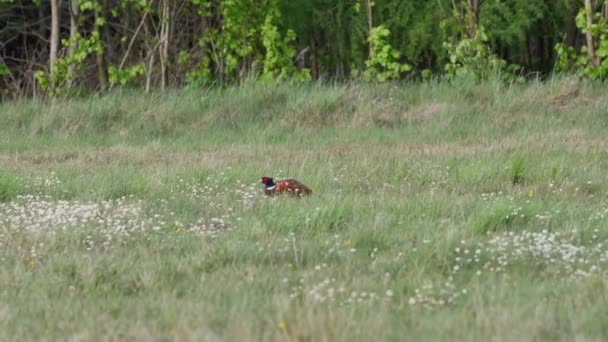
(440, 212)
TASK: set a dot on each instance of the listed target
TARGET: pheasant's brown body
(288, 186)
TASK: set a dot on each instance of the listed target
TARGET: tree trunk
(473, 16)
(590, 44)
(151, 57)
(102, 70)
(164, 48)
(149, 72)
(314, 68)
(528, 51)
(370, 24)
(74, 13)
(54, 36)
(338, 16)
(541, 46)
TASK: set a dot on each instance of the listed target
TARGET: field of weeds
(440, 211)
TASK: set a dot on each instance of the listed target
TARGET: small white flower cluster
(210, 195)
(249, 193)
(338, 246)
(317, 286)
(210, 227)
(556, 255)
(431, 296)
(212, 190)
(39, 214)
(106, 222)
(546, 215)
(39, 184)
(440, 179)
(112, 220)
(196, 190)
(327, 290)
(600, 215)
(290, 244)
(496, 197)
(516, 212)
(554, 189)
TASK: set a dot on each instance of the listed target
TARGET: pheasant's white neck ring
(271, 187)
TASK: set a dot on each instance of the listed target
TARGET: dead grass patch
(389, 114)
(509, 118)
(331, 110)
(568, 93)
(154, 156)
(425, 112)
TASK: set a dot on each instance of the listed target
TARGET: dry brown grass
(153, 156)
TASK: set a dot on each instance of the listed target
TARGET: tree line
(59, 46)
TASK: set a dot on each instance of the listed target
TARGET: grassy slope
(406, 178)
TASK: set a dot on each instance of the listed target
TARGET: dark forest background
(59, 46)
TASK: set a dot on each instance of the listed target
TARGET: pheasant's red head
(267, 181)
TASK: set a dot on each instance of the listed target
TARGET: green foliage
(68, 66)
(235, 40)
(4, 70)
(249, 36)
(124, 76)
(426, 74)
(384, 62)
(202, 75)
(89, 5)
(231, 49)
(510, 21)
(414, 29)
(472, 58)
(570, 60)
(203, 7)
(279, 54)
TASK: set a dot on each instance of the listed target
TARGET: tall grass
(304, 106)
(440, 211)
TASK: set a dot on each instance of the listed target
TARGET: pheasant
(288, 186)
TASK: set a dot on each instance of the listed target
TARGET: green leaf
(4, 71)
